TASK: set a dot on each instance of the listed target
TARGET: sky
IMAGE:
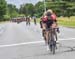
(19, 2)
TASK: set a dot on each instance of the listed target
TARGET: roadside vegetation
(64, 21)
(64, 8)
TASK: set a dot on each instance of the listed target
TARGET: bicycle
(51, 40)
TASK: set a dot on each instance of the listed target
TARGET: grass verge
(64, 21)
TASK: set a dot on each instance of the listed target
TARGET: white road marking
(34, 42)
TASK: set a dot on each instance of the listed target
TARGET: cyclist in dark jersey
(48, 21)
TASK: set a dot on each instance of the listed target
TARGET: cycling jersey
(53, 17)
(49, 19)
(44, 18)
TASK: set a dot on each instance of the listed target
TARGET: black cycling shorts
(49, 23)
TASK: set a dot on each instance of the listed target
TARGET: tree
(39, 7)
(3, 8)
(27, 9)
(12, 10)
(52, 0)
(69, 0)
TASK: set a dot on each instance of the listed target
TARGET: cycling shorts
(49, 23)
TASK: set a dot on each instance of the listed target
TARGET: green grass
(65, 21)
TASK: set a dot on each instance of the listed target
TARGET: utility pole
(44, 5)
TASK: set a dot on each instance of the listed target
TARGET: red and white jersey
(53, 17)
(44, 18)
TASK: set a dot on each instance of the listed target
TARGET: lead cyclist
(48, 21)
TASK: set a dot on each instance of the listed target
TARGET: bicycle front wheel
(53, 49)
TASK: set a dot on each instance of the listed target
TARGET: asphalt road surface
(18, 41)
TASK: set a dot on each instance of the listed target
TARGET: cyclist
(48, 21)
(34, 18)
(43, 23)
(28, 20)
(53, 17)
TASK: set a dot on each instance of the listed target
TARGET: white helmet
(49, 10)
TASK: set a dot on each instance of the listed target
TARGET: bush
(6, 18)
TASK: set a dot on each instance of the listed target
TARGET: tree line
(60, 7)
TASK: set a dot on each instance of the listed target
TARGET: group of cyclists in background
(27, 19)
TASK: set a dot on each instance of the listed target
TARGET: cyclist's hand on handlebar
(54, 25)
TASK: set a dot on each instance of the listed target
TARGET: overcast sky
(19, 2)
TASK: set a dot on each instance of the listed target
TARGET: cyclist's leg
(56, 30)
(47, 38)
(48, 30)
(43, 24)
(35, 21)
(29, 21)
(57, 26)
(44, 30)
(40, 24)
(47, 33)
(54, 26)
(55, 34)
